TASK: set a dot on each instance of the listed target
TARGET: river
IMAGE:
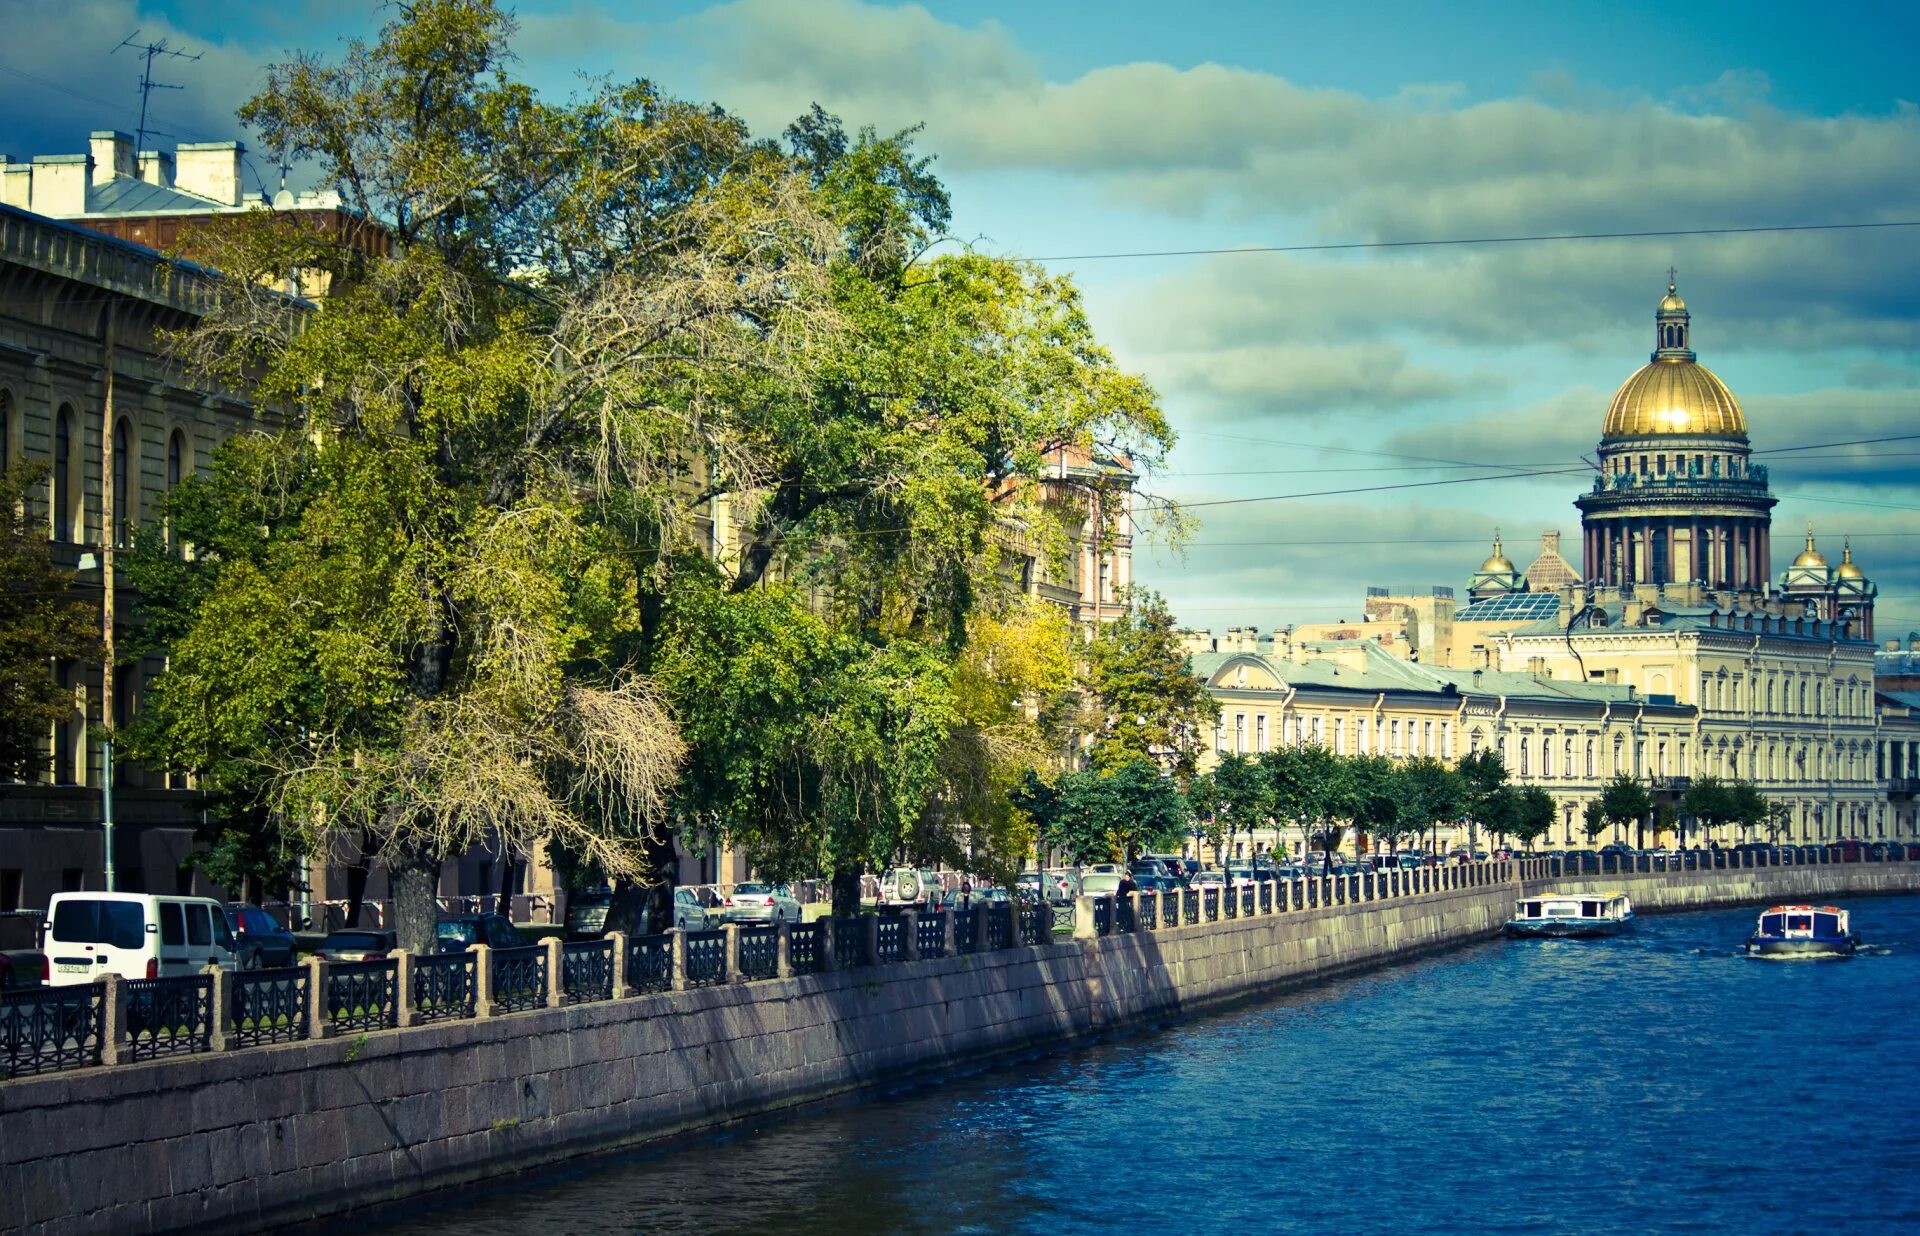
(1655, 1082)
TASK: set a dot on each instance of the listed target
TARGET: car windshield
(751, 890)
(466, 932)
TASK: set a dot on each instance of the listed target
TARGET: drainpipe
(107, 532)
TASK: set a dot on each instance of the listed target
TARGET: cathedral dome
(1674, 396)
(1848, 569)
(1811, 557)
(1498, 563)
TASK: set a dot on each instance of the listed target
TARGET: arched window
(123, 474)
(176, 458)
(1591, 754)
(62, 466)
(1524, 748)
(6, 430)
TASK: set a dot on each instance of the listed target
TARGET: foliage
(1530, 816)
(1244, 797)
(1147, 704)
(1593, 819)
(1377, 797)
(1483, 775)
(1624, 801)
(1099, 814)
(1431, 794)
(41, 620)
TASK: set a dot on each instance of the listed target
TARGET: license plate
(73, 967)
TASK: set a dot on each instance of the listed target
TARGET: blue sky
(1078, 128)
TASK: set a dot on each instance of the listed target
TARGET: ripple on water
(1657, 1082)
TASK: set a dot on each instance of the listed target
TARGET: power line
(1473, 240)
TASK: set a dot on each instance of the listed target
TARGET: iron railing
(850, 942)
(268, 1006)
(443, 986)
(706, 957)
(169, 1016)
(1149, 916)
(1063, 915)
(363, 995)
(586, 971)
(804, 947)
(930, 935)
(1266, 897)
(890, 943)
(650, 963)
(1103, 916)
(1190, 906)
(519, 978)
(966, 932)
(1000, 925)
(1246, 901)
(49, 1028)
(759, 951)
(1210, 905)
(1036, 925)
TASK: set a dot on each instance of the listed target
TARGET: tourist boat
(1803, 931)
(1572, 915)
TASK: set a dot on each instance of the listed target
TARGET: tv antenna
(159, 47)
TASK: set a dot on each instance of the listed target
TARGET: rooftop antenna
(159, 47)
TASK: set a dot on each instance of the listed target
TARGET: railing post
(872, 942)
(113, 1020)
(319, 1022)
(620, 989)
(824, 946)
(783, 949)
(949, 935)
(732, 939)
(1082, 918)
(482, 979)
(403, 1012)
(222, 1002)
(556, 972)
(910, 935)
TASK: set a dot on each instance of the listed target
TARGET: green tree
(1147, 704)
(1483, 775)
(1315, 787)
(1751, 809)
(1530, 816)
(1709, 800)
(1243, 796)
(1593, 819)
(41, 621)
(1107, 814)
(1431, 794)
(1624, 801)
(1377, 797)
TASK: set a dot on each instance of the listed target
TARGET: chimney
(1550, 541)
(210, 170)
(60, 185)
(156, 168)
(16, 183)
(112, 155)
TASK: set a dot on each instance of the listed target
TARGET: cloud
(1249, 383)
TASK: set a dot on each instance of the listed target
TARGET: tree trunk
(846, 891)
(416, 880)
(507, 865)
(663, 859)
(356, 892)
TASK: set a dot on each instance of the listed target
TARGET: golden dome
(1499, 563)
(1674, 396)
(1847, 568)
(1671, 302)
(1810, 557)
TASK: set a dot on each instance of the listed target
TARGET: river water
(1654, 1082)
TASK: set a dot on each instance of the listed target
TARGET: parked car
(902, 887)
(763, 903)
(1100, 883)
(259, 941)
(1157, 884)
(688, 913)
(357, 944)
(134, 935)
(1148, 867)
(992, 894)
(1054, 886)
(1209, 877)
(460, 932)
(14, 975)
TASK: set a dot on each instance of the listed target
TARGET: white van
(134, 935)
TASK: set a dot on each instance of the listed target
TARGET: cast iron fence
(890, 943)
(1102, 916)
(1036, 925)
(586, 971)
(1246, 901)
(850, 942)
(363, 995)
(706, 957)
(803, 947)
(443, 986)
(49, 1028)
(650, 963)
(169, 1016)
(1210, 904)
(966, 933)
(1000, 925)
(268, 1006)
(759, 951)
(1266, 897)
(1190, 906)
(1149, 917)
(930, 935)
(519, 978)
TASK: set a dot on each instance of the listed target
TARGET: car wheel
(250, 961)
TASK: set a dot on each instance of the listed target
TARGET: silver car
(688, 913)
(762, 903)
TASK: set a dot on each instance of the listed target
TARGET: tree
(1483, 774)
(1203, 811)
(41, 621)
(1751, 809)
(1103, 814)
(1243, 795)
(1431, 794)
(1710, 801)
(1624, 801)
(1147, 704)
(1593, 819)
(1377, 797)
(1314, 786)
(1530, 816)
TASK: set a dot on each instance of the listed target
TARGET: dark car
(462, 931)
(357, 944)
(259, 941)
(587, 913)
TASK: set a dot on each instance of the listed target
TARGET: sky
(1065, 130)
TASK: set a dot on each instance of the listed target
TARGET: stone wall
(251, 1139)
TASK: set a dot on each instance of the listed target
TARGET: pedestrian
(966, 891)
(1127, 886)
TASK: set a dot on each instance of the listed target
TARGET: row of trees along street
(467, 585)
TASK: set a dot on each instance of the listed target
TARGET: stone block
(369, 1132)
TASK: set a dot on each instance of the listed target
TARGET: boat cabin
(1804, 923)
(1594, 905)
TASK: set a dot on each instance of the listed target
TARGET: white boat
(1803, 931)
(1571, 915)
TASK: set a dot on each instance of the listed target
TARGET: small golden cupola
(1811, 557)
(1848, 569)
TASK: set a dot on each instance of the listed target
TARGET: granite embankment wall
(245, 1140)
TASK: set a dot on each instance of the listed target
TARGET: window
(66, 735)
(1360, 734)
(1340, 735)
(6, 430)
(173, 928)
(123, 473)
(1260, 732)
(116, 924)
(1524, 748)
(62, 482)
(1591, 754)
(1546, 757)
(176, 457)
(12, 879)
(199, 929)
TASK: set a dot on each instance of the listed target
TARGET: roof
(1608, 616)
(124, 195)
(1907, 699)
(1382, 671)
(1516, 606)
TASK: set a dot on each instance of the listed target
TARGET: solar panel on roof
(1513, 605)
